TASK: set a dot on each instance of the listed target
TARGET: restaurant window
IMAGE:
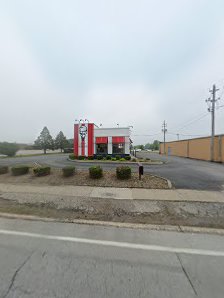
(118, 148)
(101, 148)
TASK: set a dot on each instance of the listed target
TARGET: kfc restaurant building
(90, 140)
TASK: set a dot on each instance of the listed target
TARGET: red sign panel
(118, 140)
(101, 140)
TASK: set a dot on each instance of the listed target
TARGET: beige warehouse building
(198, 148)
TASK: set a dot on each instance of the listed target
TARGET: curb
(114, 162)
(169, 228)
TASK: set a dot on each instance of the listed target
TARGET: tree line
(150, 146)
(45, 141)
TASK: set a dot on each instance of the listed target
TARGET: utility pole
(211, 102)
(164, 130)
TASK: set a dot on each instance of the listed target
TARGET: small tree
(61, 141)
(45, 140)
(9, 149)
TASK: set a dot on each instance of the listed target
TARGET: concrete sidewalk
(116, 193)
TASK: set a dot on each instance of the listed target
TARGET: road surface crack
(186, 274)
(15, 274)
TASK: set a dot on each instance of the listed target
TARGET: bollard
(140, 171)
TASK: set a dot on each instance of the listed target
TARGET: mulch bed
(82, 178)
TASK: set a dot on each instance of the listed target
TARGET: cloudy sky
(116, 61)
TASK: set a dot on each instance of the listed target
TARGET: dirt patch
(82, 178)
(169, 213)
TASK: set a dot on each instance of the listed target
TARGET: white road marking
(148, 247)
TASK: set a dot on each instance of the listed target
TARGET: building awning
(118, 140)
(101, 140)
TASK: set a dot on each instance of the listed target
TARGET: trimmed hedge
(113, 159)
(99, 157)
(90, 158)
(19, 170)
(123, 172)
(3, 170)
(95, 172)
(41, 171)
(81, 157)
(128, 157)
(72, 156)
(122, 159)
(108, 157)
(117, 157)
(68, 171)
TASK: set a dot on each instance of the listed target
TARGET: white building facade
(90, 140)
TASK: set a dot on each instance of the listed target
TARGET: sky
(127, 62)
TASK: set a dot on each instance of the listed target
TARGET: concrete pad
(111, 192)
(155, 194)
(66, 190)
(201, 195)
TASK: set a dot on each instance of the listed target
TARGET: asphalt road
(40, 259)
(183, 173)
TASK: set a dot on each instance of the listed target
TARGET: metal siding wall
(90, 139)
(196, 148)
(76, 139)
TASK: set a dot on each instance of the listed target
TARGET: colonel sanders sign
(83, 131)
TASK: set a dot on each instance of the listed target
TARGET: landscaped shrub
(128, 157)
(108, 157)
(20, 170)
(72, 156)
(133, 159)
(123, 172)
(4, 169)
(68, 171)
(90, 157)
(95, 172)
(9, 149)
(81, 157)
(99, 157)
(41, 171)
(113, 159)
(122, 159)
(117, 157)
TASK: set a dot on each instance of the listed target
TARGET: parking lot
(184, 173)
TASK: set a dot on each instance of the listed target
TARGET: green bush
(99, 157)
(118, 157)
(122, 159)
(41, 171)
(90, 157)
(68, 171)
(108, 157)
(72, 156)
(128, 157)
(113, 159)
(133, 159)
(20, 170)
(81, 157)
(123, 172)
(95, 172)
(9, 149)
(4, 169)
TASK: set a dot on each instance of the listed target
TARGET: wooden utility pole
(164, 130)
(212, 103)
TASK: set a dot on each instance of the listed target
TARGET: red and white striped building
(90, 140)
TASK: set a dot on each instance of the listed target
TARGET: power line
(186, 123)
